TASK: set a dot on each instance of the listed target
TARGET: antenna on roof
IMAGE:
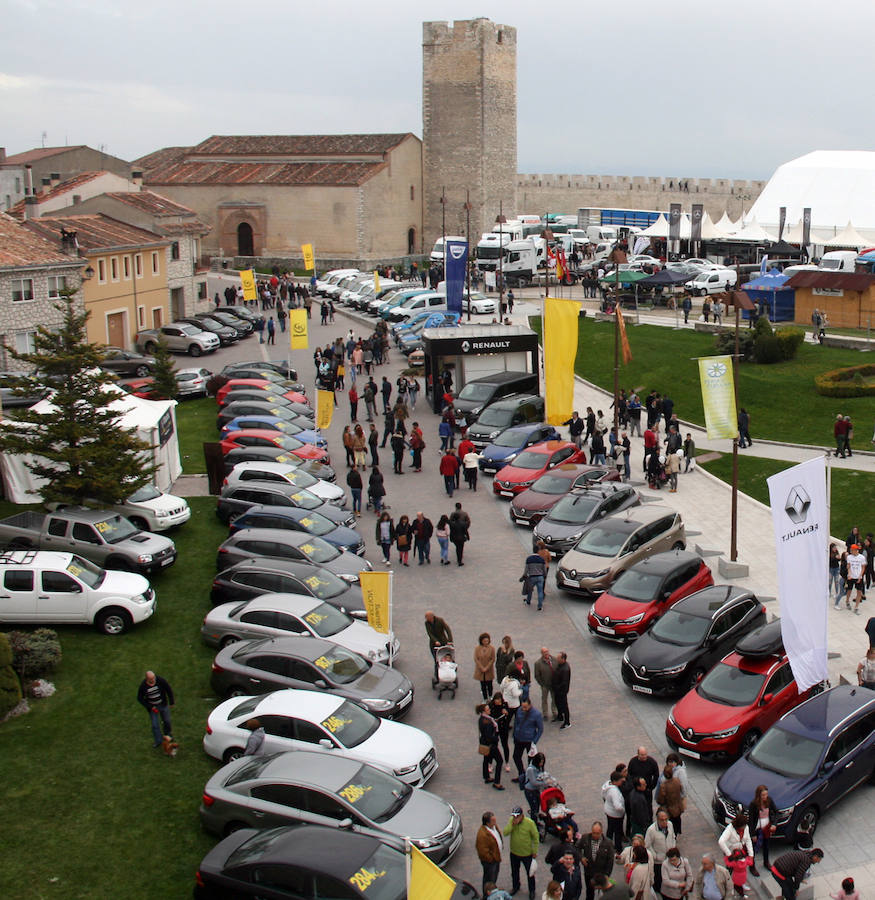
(44, 136)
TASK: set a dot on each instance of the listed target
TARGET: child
(563, 817)
(738, 864)
(447, 669)
(848, 892)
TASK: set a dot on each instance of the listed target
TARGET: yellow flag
(307, 253)
(718, 396)
(247, 279)
(376, 282)
(624, 338)
(298, 329)
(427, 881)
(375, 594)
(560, 349)
(324, 408)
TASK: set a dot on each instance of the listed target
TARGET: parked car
(516, 409)
(318, 470)
(530, 464)
(712, 281)
(259, 575)
(294, 615)
(685, 642)
(237, 498)
(644, 592)
(728, 711)
(511, 442)
(246, 862)
(285, 473)
(224, 333)
(810, 758)
(152, 510)
(124, 363)
(238, 408)
(47, 587)
(180, 337)
(241, 327)
(318, 789)
(617, 543)
(530, 506)
(264, 437)
(478, 393)
(259, 373)
(312, 720)
(253, 385)
(281, 543)
(280, 368)
(19, 390)
(288, 517)
(271, 398)
(242, 312)
(480, 304)
(275, 423)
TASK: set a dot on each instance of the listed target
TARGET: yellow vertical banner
(560, 349)
(298, 329)
(247, 279)
(376, 282)
(375, 595)
(624, 338)
(427, 881)
(324, 408)
(307, 253)
(718, 396)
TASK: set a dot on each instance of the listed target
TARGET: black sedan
(278, 367)
(690, 638)
(224, 333)
(277, 454)
(242, 327)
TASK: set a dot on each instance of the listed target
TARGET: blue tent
(768, 291)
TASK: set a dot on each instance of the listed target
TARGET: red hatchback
(531, 464)
(644, 592)
(726, 713)
(529, 507)
(259, 437)
(258, 384)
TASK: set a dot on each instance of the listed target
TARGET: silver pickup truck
(102, 536)
(180, 337)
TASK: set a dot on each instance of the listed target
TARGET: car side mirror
(345, 823)
(666, 595)
(828, 766)
(320, 683)
(325, 744)
(767, 698)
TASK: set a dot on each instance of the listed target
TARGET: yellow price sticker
(306, 521)
(298, 496)
(314, 581)
(364, 878)
(103, 527)
(314, 618)
(281, 459)
(74, 570)
(325, 662)
(352, 793)
(335, 724)
(307, 549)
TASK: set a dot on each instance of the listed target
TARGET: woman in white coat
(736, 836)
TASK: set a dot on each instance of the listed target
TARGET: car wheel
(808, 820)
(677, 545)
(235, 691)
(149, 348)
(194, 350)
(748, 741)
(231, 754)
(138, 522)
(695, 677)
(142, 371)
(231, 827)
(228, 639)
(19, 544)
(113, 621)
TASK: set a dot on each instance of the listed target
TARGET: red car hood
(705, 716)
(309, 451)
(618, 608)
(516, 475)
(534, 500)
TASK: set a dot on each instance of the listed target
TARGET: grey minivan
(479, 393)
(514, 410)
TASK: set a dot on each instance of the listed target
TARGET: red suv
(644, 592)
(726, 713)
(532, 463)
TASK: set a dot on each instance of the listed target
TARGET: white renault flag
(800, 515)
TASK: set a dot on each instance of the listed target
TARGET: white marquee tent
(154, 422)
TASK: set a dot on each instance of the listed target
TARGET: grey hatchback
(308, 663)
(321, 789)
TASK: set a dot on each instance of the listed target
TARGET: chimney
(30, 207)
(137, 177)
(69, 242)
(55, 179)
(46, 185)
(28, 181)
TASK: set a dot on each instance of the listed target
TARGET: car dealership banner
(457, 261)
(800, 515)
(718, 396)
(247, 281)
(560, 350)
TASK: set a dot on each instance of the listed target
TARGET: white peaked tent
(848, 237)
(752, 232)
(794, 235)
(710, 231)
(154, 422)
(726, 225)
(659, 229)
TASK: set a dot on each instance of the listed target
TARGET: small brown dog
(169, 746)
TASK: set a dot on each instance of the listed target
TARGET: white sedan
(281, 615)
(312, 720)
(481, 305)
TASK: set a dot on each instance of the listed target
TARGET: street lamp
(500, 220)
(443, 202)
(547, 235)
(468, 238)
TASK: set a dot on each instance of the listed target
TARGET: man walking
(422, 532)
(439, 634)
(523, 835)
(460, 522)
(534, 576)
(561, 686)
(544, 668)
(386, 390)
(528, 726)
(448, 467)
(156, 696)
(856, 570)
(489, 847)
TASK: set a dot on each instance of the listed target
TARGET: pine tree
(78, 447)
(164, 385)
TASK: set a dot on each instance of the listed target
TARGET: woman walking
(347, 446)
(403, 539)
(763, 813)
(484, 664)
(354, 482)
(376, 489)
(503, 657)
(385, 534)
(488, 729)
(359, 446)
(417, 445)
(442, 533)
(501, 716)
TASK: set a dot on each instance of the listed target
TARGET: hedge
(10, 687)
(847, 382)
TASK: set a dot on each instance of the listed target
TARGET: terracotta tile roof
(30, 156)
(843, 281)
(305, 144)
(160, 158)
(63, 187)
(21, 247)
(303, 173)
(150, 202)
(95, 232)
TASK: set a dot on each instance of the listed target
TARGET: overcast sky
(672, 88)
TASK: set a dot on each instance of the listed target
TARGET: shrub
(849, 382)
(724, 343)
(34, 653)
(776, 346)
(10, 687)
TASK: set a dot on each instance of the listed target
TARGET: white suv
(47, 587)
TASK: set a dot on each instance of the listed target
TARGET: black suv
(514, 410)
(237, 498)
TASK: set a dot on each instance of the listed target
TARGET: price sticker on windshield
(326, 662)
(307, 521)
(364, 878)
(307, 549)
(352, 793)
(282, 459)
(75, 570)
(335, 724)
(314, 618)
(298, 497)
(314, 581)
(103, 527)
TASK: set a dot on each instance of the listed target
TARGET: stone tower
(469, 131)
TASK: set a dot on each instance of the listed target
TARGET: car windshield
(342, 666)
(551, 484)
(731, 685)
(300, 479)
(115, 529)
(252, 769)
(245, 708)
(350, 724)
(475, 391)
(573, 510)
(786, 753)
(375, 794)
(324, 584)
(325, 620)
(638, 586)
(602, 542)
(189, 329)
(316, 523)
(305, 500)
(509, 438)
(147, 492)
(496, 416)
(530, 460)
(679, 627)
(86, 571)
(380, 877)
(318, 551)
(287, 442)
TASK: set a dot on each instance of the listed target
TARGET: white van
(838, 261)
(437, 253)
(597, 234)
(713, 281)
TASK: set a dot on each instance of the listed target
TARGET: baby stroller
(446, 677)
(553, 796)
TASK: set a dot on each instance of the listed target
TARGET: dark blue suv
(809, 759)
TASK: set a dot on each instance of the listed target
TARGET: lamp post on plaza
(443, 202)
(468, 238)
(547, 235)
(501, 221)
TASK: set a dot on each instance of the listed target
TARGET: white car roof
(41, 559)
(312, 705)
(266, 466)
(297, 604)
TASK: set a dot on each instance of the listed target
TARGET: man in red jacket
(448, 468)
(651, 442)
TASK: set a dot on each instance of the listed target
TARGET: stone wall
(566, 193)
(469, 124)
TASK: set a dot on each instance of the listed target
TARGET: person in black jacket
(560, 685)
(644, 766)
(597, 856)
(460, 522)
(575, 429)
(376, 490)
(488, 729)
(762, 815)
(354, 482)
(789, 869)
(156, 696)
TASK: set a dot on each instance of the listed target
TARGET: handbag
(484, 749)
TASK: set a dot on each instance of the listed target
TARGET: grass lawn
(91, 809)
(851, 491)
(195, 423)
(780, 398)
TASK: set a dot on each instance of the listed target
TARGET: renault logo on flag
(457, 251)
(797, 504)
